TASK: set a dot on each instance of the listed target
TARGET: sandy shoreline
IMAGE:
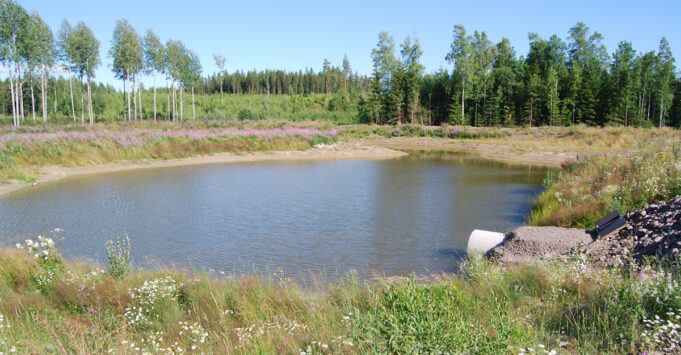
(366, 149)
(498, 152)
(339, 151)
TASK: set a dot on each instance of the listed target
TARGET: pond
(321, 218)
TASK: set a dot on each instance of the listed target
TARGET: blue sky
(293, 35)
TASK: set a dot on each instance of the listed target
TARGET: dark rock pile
(653, 231)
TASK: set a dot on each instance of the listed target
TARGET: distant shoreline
(493, 151)
(339, 151)
(373, 148)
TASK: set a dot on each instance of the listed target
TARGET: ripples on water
(390, 217)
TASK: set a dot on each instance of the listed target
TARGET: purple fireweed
(140, 137)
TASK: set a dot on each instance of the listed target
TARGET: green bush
(118, 256)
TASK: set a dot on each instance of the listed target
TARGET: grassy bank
(26, 149)
(48, 305)
(624, 180)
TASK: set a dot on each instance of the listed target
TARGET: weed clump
(118, 255)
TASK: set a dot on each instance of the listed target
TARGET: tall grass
(77, 145)
(549, 307)
(623, 181)
(453, 132)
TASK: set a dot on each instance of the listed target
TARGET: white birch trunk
(73, 107)
(14, 101)
(43, 96)
(154, 95)
(139, 89)
(82, 102)
(55, 97)
(127, 89)
(32, 99)
(174, 105)
(21, 97)
(193, 111)
(134, 95)
(89, 98)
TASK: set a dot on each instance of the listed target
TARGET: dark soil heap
(653, 231)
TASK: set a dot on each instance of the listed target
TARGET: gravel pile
(653, 231)
(527, 244)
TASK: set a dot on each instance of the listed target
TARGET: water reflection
(390, 217)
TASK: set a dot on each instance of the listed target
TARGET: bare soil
(499, 152)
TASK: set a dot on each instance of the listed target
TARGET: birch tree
(45, 54)
(86, 59)
(220, 63)
(411, 54)
(66, 55)
(664, 75)
(383, 57)
(14, 22)
(154, 58)
(191, 74)
(174, 62)
(460, 55)
(126, 53)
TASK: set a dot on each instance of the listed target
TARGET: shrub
(118, 255)
(248, 114)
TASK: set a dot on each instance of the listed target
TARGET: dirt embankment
(499, 152)
(338, 151)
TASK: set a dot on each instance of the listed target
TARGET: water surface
(391, 217)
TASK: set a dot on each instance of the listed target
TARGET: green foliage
(126, 50)
(118, 256)
(436, 318)
(247, 114)
(579, 196)
(548, 307)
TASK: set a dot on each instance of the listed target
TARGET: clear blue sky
(293, 35)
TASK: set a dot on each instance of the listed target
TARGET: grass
(622, 181)
(452, 132)
(48, 305)
(26, 149)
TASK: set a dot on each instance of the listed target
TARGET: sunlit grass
(576, 197)
(25, 150)
(549, 307)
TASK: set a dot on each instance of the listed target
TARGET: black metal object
(609, 224)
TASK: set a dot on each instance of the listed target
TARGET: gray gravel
(652, 231)
(526, 244)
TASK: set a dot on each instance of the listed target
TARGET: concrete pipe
(482, 241)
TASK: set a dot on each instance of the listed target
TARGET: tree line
(559, 82)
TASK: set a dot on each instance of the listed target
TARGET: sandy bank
(339, 151)
(499, 152)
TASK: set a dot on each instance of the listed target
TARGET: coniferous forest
(565, 79)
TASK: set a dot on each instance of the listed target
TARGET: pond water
(323, 218)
